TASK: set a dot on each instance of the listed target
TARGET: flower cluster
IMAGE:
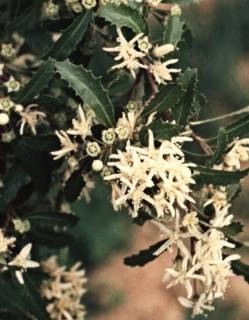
(201, 265)
(19, 262)
(238, 153)
(64, 290)
(155, 177)
(138, 52)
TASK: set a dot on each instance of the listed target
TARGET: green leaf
(165, 99)
(218, 177)
(123, 16)
(71, 37)
(42, 143)
(174, 30)
(241, 269)
(38, 82)
(186, 107)
(89, 89)
(14, 180)
(233, 229)
(29, 303)
(74, 186)
(235, 129)
(161, 130)
(220, 148)
(36, 163)
(143, 256)
(53, 219)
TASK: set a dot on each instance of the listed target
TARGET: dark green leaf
(174, 30)
(71, 37)
(161, 130)
(241, 269)
(218, 177)
(36, 163)
(52, 219)
(42, 143)
(74, 186)
(165, 99)
(15, 179)
(38, 82)
(220, 148)
(233, 229)
(123, 15)
(186, 107)
(143, 256)
(89, 89)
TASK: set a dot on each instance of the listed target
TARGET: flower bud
(4, 119)
(18, 108)
(93, 149)
(52, 9)
(161, 51)
(176, 10)
(6, 104)
(97, 165)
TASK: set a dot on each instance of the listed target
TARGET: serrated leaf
(241, 269)
(71, 37)
(220, 148)
(38, 82)
(165, 99)
(89, 89)
(185, 109)
(143, 256)
(235, 129)
(74, 186)
(161, 130)
(218, 177)
(123, 15)
(174, 30)
(233, 229)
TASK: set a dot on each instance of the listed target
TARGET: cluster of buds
(64, 290)
(138, 53)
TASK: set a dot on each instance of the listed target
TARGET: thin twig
(202, 143)
(227, 115)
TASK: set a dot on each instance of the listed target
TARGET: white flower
(108, 136)
(93, 149)
(5, 242)
(2, 65)
(140, 167)
(7, 50)
(161, 72)
(127, 53)
(89, 4)
(22, 261)
(31, 117)
(82, 125)
(67, 145)
(21, 226)
(64, 290)
(144, 44)
(222, 217)
(12, 85)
